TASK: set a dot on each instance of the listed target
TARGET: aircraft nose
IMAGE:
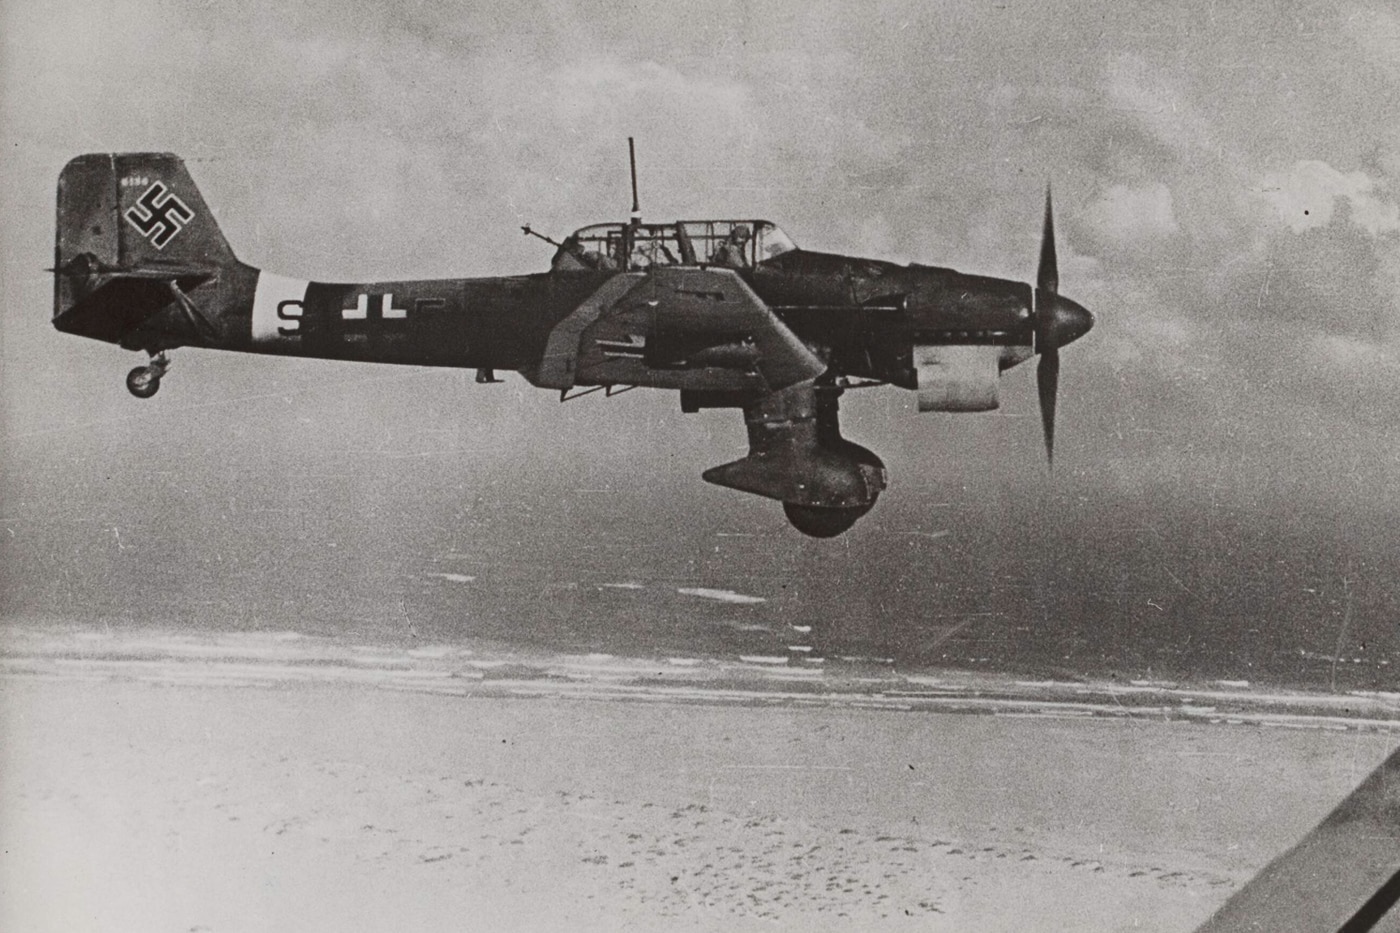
(1068, 320)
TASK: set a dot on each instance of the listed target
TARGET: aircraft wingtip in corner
(1343, 877)
(729, 313)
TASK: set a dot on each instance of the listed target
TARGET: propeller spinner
(1058, 322)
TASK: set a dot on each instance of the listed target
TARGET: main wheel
(141, 383)
(823, 522)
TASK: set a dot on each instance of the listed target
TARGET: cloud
(1308, 195)
(1133, 215)
(1157, 100)
(1352, 354)
(1200, 198)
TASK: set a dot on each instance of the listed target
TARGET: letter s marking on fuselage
(286, 313)
(278, 310)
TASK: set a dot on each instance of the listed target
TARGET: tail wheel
(142, 382)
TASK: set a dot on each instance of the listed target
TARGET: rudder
(128, 225)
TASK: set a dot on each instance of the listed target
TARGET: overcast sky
(1225, 177)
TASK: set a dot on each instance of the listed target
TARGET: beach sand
(159, 786)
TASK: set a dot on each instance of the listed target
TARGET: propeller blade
(1047, 278)
(1047, 378)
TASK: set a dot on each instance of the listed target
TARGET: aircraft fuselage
(730, 313)
(866, 314)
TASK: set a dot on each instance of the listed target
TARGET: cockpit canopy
(738, 244)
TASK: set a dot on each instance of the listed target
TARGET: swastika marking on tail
(159, 214)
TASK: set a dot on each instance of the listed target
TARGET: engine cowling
(955, 377)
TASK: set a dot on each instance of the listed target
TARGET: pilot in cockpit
(733, 252)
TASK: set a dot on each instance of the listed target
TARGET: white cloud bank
(1308, 195)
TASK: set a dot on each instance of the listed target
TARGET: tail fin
(133, 232)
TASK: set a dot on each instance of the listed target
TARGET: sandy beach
(277, 783)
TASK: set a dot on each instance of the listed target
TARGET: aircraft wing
(1341, 878)
(677, 327)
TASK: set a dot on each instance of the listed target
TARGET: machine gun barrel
(550, 240)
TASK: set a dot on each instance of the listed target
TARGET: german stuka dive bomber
(730, 313)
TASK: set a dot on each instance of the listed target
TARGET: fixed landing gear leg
(144, 381)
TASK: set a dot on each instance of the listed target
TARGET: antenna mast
(636, 205)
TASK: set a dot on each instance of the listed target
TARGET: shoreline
(279, 782)
(481, 669)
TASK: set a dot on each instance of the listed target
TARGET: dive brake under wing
(698, 329)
